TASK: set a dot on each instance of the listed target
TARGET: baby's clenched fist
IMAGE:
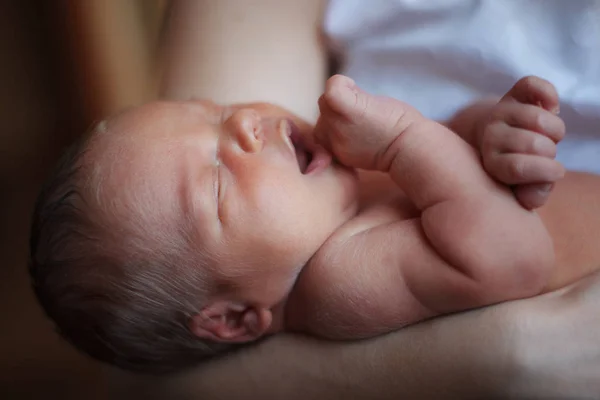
(518, 140)
(360, 128)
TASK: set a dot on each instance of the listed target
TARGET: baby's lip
(293, 139)
(321, 159)
(310, 157)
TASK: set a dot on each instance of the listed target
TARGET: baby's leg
(473, 222)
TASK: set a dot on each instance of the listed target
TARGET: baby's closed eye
(217, 187)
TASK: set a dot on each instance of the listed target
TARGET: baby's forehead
(166, 117)
(151, 136)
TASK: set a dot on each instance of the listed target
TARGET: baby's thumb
(533, 195)
(321, 132)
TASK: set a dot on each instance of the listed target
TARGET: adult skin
(544, 347)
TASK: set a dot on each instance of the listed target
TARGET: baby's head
(176, 230)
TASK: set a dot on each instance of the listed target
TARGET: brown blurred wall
(63, 64)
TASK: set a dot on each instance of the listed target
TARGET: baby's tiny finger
(514, 169)
(501, 138)
(533, 118)
(533, 195)
(535, 90)
(321, 133)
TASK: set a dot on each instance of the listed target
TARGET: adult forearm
(540, 348)
(463, 356)
(236, 51)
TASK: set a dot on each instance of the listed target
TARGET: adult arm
(540, 348)
(463, 356)
(238, 51)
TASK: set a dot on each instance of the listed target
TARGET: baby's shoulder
(342, 247)
(340, 274)
(336, 261)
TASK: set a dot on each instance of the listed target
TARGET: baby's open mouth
(311, 158)
(303, 155)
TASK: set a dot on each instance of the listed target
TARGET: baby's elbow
(524, 271)
(531, 267)
(535, 272)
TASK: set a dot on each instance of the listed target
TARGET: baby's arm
(476, 245)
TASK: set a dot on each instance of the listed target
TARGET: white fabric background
(440, 55)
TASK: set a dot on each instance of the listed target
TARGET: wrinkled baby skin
(466, 242)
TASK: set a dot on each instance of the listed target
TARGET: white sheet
(442, 54)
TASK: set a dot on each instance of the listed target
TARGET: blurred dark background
(64, 64)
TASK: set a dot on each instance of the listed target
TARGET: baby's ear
(231, 322)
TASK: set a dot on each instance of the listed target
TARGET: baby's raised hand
(357, 127)
(518, 141)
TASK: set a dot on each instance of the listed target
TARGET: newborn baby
(179, 230)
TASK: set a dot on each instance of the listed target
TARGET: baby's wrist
(384, 160)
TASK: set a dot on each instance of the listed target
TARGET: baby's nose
(244, 125)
